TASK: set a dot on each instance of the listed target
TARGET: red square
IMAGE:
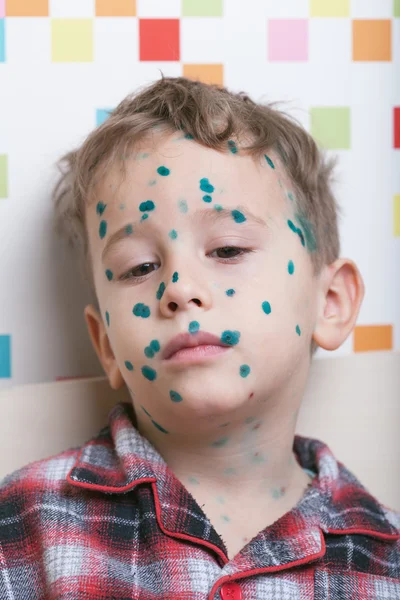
(159, 39)
(396, 126)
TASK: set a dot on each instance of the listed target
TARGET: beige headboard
(352, 403)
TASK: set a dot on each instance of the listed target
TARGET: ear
(102, 347)
(341, 292)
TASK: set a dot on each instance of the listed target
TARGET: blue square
(102, 114)
(2, 40)
(5, 356)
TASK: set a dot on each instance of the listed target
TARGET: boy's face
(263, 301)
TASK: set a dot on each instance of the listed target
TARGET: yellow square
(396, 215)
(72, 40)
(330, 8)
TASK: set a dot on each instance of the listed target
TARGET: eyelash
(128, 274)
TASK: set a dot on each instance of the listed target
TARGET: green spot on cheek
(291, 267)
(141, 310)
(128, 229)
(183, 207)
(103, 229)
(107, 318)
(147, 205)
(175, 397)
(193, 480)
(266, 307)
(173, 234)
(220, 442)
(129, 365)
(194, 326)
(160, 291)
(225, 518)
(230, 292)
(244, 370)
(206, 186)
(207, 198)
(149, 373)
(218, 207)
(109, 274)
(298, 330)
(163, 171)
(149, 352)
(175, 277)
(155, 345)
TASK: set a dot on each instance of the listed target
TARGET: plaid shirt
(109, 520)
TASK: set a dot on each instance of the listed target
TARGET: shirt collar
(119, 459)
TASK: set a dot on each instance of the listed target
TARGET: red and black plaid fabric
(110, 520)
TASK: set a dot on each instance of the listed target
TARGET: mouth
(189, 347)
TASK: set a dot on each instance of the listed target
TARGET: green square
(202, 8)
(396, 8)
(3, 176)
(330, 126)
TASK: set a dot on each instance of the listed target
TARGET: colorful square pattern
(396, 8)
(371, 338)
(202, 8)
(27, 8)
(115, 8)
(5, 356)
(372, 40)
(330, 126)
(159, 39)
(2, 40)
(102, 114)
(3, 176)
(396, 127)
(330, 8)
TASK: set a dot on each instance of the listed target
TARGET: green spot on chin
(175, 397)
(149, 373)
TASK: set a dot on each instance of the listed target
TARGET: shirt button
(231, 591)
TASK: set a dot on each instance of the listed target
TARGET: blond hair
(212, 116)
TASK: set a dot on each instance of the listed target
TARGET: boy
(216, 274)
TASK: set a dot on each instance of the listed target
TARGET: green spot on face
(128, 229)
(149, 352)
(193, 480)
(207, 198)
(141, 310)
(175, 397)
(225, 518)
(230, 337)
(175, 277)
(144, 217)
(220, 499)
(189, 136)
(147, 413)
(163, 171)
(155, 345)
(250, 420)
(218, 207)
(269, 161)
(147, 205)
(220, 442)
(244, 370)
(159, 427)
(107, 318)
(309, 232)
(230, 471)
(230, 292)
(173, 234)
(160, 291)
(298, 330)
(100, 208)
(232, 146)
(206, 186)
(292, 226)
(129, 365)
(182, 205)
(103, 229)
(238, 216)
(194, 326)
(266, 307)
(152, 182)
(290, 195)
(109, 274)
(149, 373)
(291, 267)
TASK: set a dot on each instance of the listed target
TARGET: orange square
(372, 39)
(115, 8)
(369, 338)
(210, 74)
(27, 8)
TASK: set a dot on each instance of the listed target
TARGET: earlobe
(340, 296)
(101, 344)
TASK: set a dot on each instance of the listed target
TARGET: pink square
(288, 39)
(2, 8)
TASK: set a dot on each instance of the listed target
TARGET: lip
(191, 340)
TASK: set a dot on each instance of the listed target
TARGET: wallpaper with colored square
(331, 64)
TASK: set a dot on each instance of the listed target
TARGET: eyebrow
(201, 216)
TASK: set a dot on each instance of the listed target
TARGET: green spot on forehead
(100, 208)
(238, 216)
(147, 205)
(269, 161)
(163, 171)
